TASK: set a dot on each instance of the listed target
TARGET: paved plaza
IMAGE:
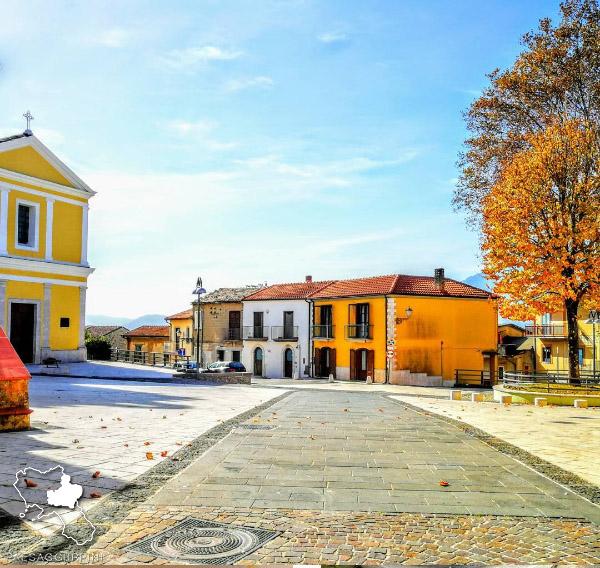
(355, 477)
(89, 425)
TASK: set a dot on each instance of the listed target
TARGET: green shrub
(98, 348)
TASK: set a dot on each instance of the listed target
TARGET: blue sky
(257, 141)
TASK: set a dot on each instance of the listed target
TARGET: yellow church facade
(43, 252)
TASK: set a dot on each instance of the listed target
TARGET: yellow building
(148, 339)
(43, 251)
(403, 329)
(549, 337)
(181, 333)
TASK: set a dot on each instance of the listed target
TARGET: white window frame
(36, 226)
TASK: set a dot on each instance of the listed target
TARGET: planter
(528, 397)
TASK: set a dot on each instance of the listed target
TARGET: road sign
(390, 353)
(391, 343)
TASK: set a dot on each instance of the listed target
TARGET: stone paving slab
(321, 537)
(89, 425)
(254, 468)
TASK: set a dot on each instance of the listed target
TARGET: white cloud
(114, 38)
(332, 37)
(197, 133)
(194, 56)
(240, 84)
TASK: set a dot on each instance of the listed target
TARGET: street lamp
(198, 291)
(593, 318)
(408, 313)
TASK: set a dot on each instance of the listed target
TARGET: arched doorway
(288, 363)
(258, 362)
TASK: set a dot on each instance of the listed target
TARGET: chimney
(309, 278)
(439, 278)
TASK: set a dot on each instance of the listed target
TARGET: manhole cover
(255, 427)
(204, 542)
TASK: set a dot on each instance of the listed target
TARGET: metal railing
(255, 332)
(284, 333)
(476, 377)
(546, 330)
(359, 331)
(323, 331)
(549, 378)
(233, 334)
(155, 359)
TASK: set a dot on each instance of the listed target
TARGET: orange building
(147, 339)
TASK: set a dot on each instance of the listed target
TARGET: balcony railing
(233, 334)
(546, 330)
(323, 331)
(284, 333)
(359, 331)
(255, 332)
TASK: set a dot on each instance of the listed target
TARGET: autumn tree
(529, 172)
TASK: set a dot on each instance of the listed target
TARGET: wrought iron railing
(323, 331)
(546, 330)
(255, 332)
(359, 331)
(476, 377)
(549, 378)
(156, 359)
(233, 334)
(284, 333)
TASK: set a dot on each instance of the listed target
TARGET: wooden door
(332, 362)
(352, 363)
(288, 363)
(22, 330)
(235, 323)
(317, 362)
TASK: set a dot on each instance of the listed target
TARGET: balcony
(284, 333)
(359, 331)
(557, 330)
(323, 331)
(232, 334)
(255, 332)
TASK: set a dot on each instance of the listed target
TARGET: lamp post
(198, 291)
(593, 318)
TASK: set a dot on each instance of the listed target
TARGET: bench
(51, 362)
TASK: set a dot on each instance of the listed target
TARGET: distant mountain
(480, 281)
(129, 323)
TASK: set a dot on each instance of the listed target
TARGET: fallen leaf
(322, 422)
(76, 441)
(299, 422)
(30, 483)
(126, 445)
(255, 420)
(164, 417)
(176, 459)
(101, 419)
(163, 454)
(103, 427)
(146, 443)
(345, 410)
(149, 456)
(312, 437)
(259, 416)
(118, 420)
(381, 410)
(95, 495)
(179, 443)
(80, 447)
(96, 474)
(444, 483)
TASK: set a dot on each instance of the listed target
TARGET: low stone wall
(528, 397)
(406, 378)
(226, 378)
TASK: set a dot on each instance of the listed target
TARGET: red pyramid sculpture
(14, 388)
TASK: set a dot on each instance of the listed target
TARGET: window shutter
(352, 363)
(332, 362)
(371, 363)
(351, 314)
(317, 362)
(317, 315)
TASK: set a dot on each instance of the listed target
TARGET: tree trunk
(572, 307)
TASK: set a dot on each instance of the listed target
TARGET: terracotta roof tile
(186, 314)
(372, 286)
(101, 330)
(149, 331)
(229, 294)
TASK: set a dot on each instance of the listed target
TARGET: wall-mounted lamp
(408, 313)
(214, 312)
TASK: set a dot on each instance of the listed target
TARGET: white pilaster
(82, 297)
(4, 191)
(84, 234)
(3, 305)
(46, 316)
(49, 226)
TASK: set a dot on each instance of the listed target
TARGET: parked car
(184, 365)
(226, 367)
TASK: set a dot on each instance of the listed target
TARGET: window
(235, 356)
(138, 347)
(65, 322)
(581, 356)
(27, 225)
(220, 355)
(546, 355)
(358, 320)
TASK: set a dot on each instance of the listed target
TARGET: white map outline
(42, 515)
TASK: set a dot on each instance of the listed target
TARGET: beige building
(221, 324)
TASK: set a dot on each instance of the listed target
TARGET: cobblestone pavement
(354, 478)
(89, 425)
